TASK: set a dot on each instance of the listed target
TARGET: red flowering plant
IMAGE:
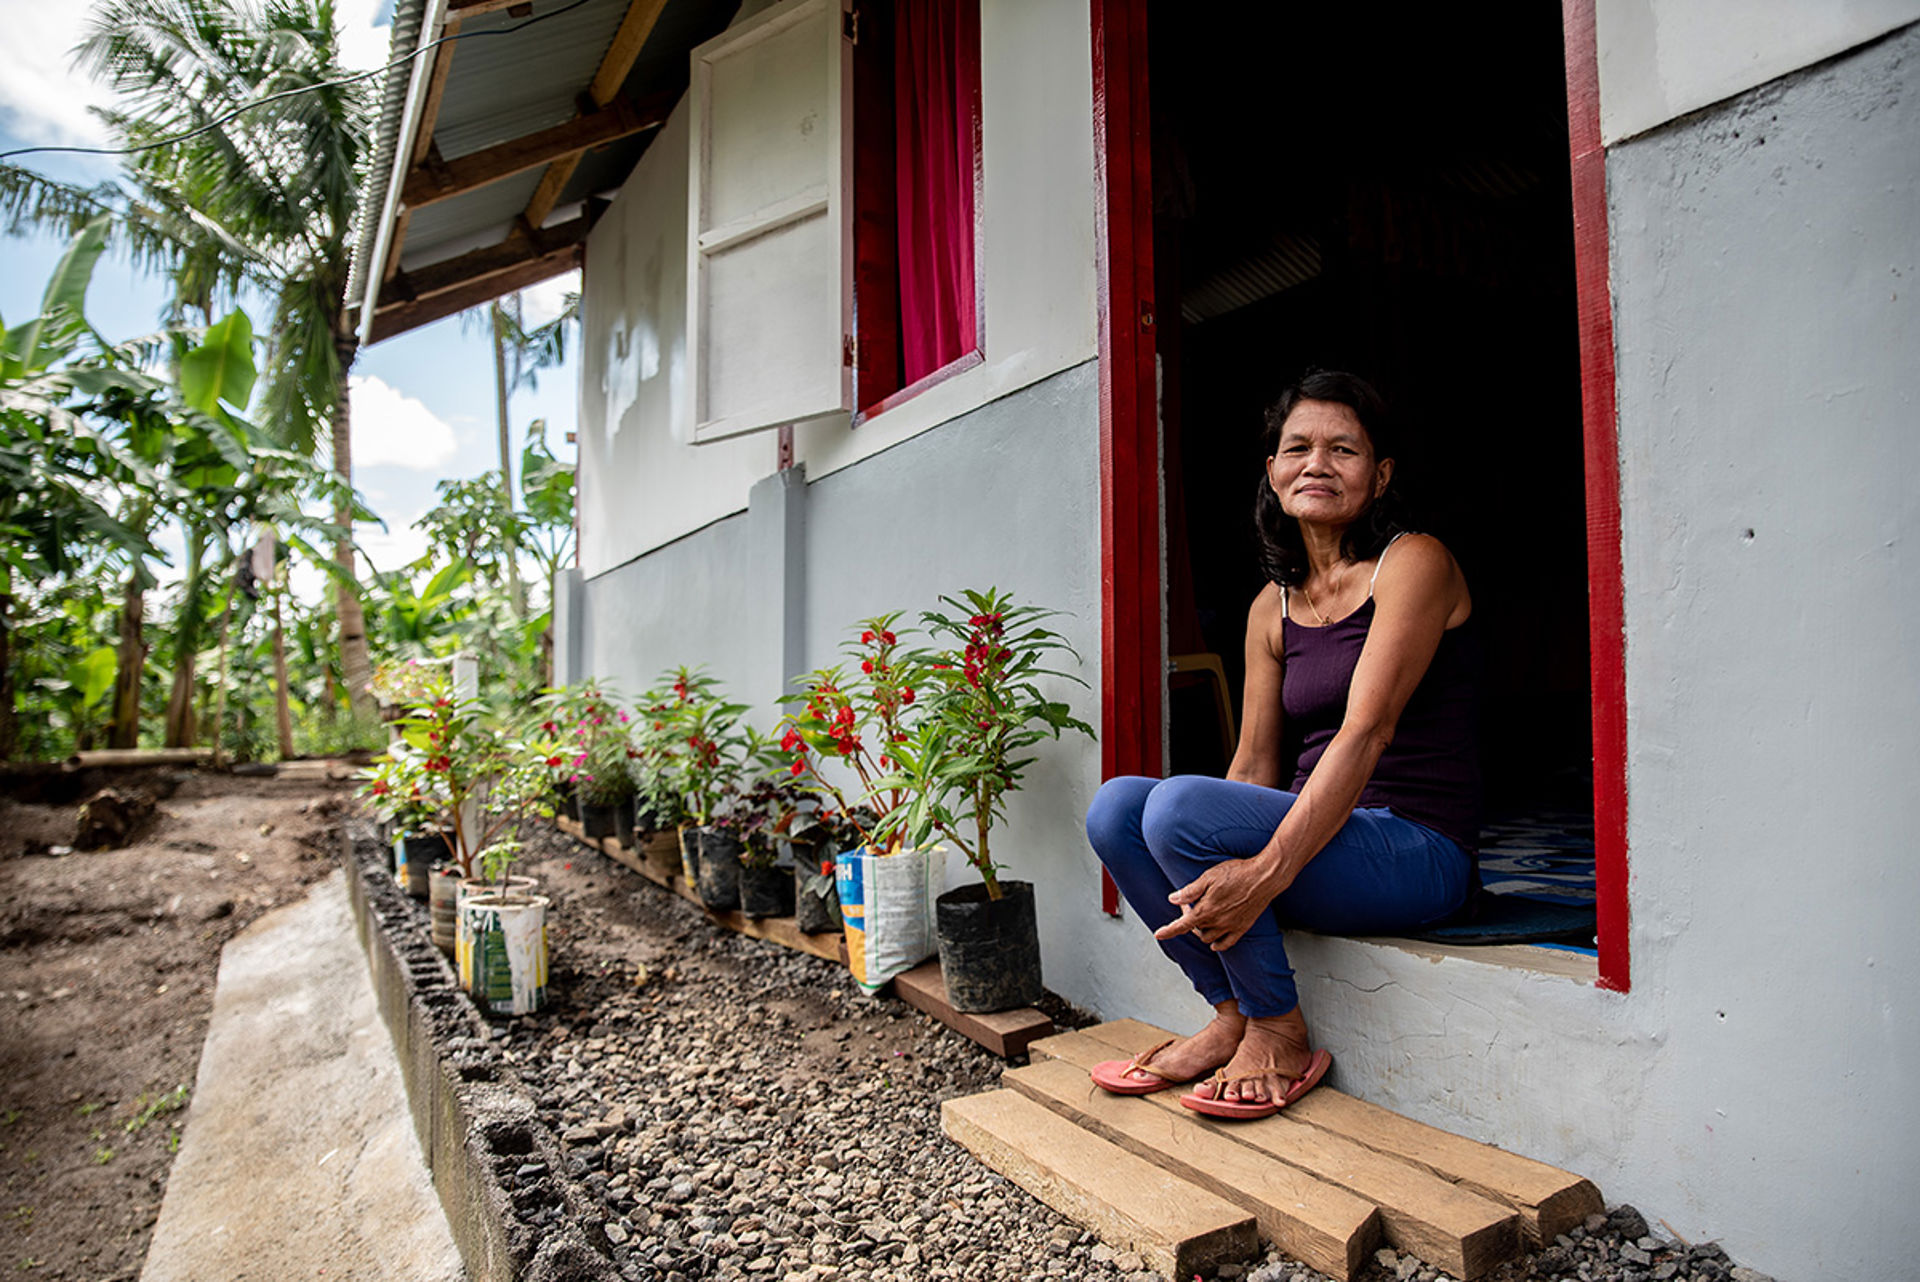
(705, 742)
(481, 781)
(984, 711)
(769, 804)
(587, 722)
(856, 718)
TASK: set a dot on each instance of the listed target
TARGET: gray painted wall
(1766, 267)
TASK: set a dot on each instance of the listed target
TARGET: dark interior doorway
(1383, 189)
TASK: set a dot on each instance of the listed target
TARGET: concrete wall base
(477, 1124)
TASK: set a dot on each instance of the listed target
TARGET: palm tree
(265, 200)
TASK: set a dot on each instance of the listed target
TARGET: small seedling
(98, 1135)
(29, 1263)
(9, 1117)
(146, 1109)
(102, 1155)
(22, 1215)
(89, 1108)
(173, 1140)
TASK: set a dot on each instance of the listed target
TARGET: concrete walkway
(299, 1159)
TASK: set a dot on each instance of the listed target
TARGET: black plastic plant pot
(596, 820)
(989, 948)
(814, 914)
(766, 892)
(719, 870)
(623, 824)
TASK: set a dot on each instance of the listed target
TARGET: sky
(423, 402)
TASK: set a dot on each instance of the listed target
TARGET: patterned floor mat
(1543, 854)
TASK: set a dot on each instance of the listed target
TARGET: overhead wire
(243, 108)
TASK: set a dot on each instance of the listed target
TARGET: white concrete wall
(643, 485)
(1660, 59)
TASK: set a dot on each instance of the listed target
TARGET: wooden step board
(1179, 1228)
(1547, 1200)
(1317, 1223)
(1006, 1033)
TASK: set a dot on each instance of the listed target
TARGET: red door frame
(1132, 662)
(1132, 665)
(1606, 600)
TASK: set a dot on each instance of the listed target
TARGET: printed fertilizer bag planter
(505, 954)
(886, 904)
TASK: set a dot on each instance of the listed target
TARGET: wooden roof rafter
(442, 180)
(621, 54)
(441, 289)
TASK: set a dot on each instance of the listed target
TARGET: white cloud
(393, 429)
(44, 100)
(541, 303)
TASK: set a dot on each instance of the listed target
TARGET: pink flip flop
(1115, 1076)
(1247, 1110)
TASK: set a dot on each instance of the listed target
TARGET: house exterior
(1745, 248)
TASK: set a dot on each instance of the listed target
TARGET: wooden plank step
(1327, 1227)
(1131, 1204)
(1548, 1200)
(1006, 1033)
(1420, 1213)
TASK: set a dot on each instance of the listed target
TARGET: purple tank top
(1430, 773)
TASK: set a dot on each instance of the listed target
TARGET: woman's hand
(1221, 904)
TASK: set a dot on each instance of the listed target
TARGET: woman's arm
(1256, 759)
(1419, 592)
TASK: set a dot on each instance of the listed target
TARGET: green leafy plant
(984, 714)
(710, 743)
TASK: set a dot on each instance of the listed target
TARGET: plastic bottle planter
(417, 854)
(719, 870)
(662, 852)
(596, 820)
(690, 855)
(766, 891)
(462, 939)
(506, 952)
(443, 895)
(989, 948)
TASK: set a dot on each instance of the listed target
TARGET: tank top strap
(1382, 561)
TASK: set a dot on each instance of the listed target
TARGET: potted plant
(661, 820)
(485, 782)
(401, 791)
(843, 742)
(813, 847)
(763, 815)
(709, 753)
(503, 938)
(985, 711)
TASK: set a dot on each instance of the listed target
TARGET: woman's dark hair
(1283, 554)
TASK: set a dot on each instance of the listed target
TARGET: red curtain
(936, 118)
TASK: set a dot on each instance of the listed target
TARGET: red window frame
(1133, 673)
(876, 308)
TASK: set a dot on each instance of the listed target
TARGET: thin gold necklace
(1307, 593)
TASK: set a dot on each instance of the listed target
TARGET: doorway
(1388, 192)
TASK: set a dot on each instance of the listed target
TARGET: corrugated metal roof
(506, 86)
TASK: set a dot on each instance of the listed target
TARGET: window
(832, 211)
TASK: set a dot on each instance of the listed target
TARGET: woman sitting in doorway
(1364, 822)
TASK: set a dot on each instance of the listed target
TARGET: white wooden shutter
(770, 242)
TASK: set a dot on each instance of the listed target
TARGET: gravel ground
(745, 1112)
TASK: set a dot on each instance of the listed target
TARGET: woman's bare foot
(1196, 1056)
(1272, 1055)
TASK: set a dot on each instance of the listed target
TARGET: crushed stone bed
(733, 1110)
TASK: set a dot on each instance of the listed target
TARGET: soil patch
(110, 958)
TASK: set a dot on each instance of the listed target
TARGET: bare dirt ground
(107, 967)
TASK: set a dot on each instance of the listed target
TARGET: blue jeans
(1380, 874)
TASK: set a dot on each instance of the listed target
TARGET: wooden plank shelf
(1006, 1033)
(780, 930)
